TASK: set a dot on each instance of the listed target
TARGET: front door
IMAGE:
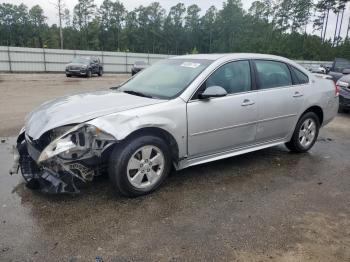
(224, 123)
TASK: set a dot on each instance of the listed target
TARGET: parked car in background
(339, 68)
(84, 66)
(182, 111)
(318, 69)
(344, 93)
(138, 66)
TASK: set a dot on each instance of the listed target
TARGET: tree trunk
(341, 22)
(336, 29)
(325, 29)
(60, 21)
(347, 32)
(324, 16)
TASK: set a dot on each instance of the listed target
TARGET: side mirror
(213, 91)
(346, 71)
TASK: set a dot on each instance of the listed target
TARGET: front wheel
(100, 72)
(88, 74)
(139, 166)
(305, 133)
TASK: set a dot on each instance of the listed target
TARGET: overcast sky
(50, 10)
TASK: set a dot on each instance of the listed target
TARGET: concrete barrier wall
(22, 59)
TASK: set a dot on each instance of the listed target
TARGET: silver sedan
(180, 112)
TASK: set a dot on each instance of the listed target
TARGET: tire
(340, 109)
(89, 73)
(67, 75)
(303, 144)
(100, 72)
(134, 182)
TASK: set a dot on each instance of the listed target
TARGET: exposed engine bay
(63, 157)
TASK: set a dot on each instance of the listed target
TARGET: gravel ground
(269, 205)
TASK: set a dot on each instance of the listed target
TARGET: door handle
(297, 94)
(247, 102)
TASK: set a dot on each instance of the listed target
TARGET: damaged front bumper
(59, 168)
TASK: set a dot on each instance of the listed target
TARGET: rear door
(279, 100)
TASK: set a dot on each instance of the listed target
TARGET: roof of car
(229, 55)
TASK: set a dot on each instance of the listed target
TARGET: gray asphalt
(270, 205)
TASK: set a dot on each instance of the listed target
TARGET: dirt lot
(270, 205)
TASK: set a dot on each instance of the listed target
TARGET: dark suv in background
(344, 93)
(339, 68)
(84, 66)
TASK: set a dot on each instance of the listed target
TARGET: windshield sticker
(190, 64)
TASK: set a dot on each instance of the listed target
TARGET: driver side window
(234, 77)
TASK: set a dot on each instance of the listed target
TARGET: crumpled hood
(81, 108)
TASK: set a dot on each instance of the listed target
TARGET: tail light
(337, 88)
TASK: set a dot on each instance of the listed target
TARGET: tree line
(269, 26)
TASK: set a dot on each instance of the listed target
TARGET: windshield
(166, 79)
(80, 60)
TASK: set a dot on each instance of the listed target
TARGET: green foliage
(270, 26)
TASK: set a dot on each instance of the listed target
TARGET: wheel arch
(161, 133)
(317, 110)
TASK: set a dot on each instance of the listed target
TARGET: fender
(170, 117)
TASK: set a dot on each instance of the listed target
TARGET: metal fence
(22, 59)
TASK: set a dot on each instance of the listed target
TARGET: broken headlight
(74, 143)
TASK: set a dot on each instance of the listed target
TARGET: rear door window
(272, 74)
(301, 78)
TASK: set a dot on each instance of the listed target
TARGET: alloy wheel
(145, 167)
(307, 132)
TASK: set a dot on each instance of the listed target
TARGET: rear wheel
(100, 72)
(305, 133)
(139, 166)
